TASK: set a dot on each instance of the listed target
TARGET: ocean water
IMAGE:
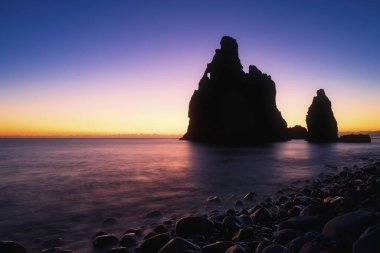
(68, 188)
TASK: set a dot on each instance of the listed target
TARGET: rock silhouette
(231, 106)
(298, 132)
(320, 120)
(358, 138)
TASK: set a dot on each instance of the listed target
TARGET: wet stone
(283, 236)
(194, 225)
(160, 229)
(244, 235)
(105, 241)
(275, 248)
(249, 196)
(296, 244)
(261, 215)
(128, 240)
(262, 245)
(369, 241)
(309, 247)
(218, 247)
(10, 246)
(179, 245)
(295, 211)
(55, 250)
(300, 223)
(213, 200)
(117, 250)
(99, 234)
(236, 249)
(154, 244)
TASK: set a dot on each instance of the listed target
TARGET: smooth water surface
(68, 187)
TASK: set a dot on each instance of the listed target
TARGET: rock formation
(297, 132)
(320, 120)
(355, 138)
(231, 106)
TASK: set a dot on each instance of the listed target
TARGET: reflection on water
(74, 184)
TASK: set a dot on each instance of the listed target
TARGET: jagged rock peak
(231, 106)
(320, 120)
(229, 44)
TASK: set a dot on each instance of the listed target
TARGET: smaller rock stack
(320, 120)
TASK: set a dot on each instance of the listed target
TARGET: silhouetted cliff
(320, 120)
(231, 106)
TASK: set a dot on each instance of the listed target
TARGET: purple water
(67, 187)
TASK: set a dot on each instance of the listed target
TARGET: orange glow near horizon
(109, 105)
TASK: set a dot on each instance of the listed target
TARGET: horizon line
(133, 136)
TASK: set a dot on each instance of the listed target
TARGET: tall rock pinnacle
(231, 106)
(320, 120)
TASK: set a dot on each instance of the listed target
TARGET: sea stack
(231, 106)
(320, 120)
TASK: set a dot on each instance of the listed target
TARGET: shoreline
(326, 214)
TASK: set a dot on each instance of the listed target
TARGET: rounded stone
(12, 247)
(128, 240)
(217, 247)
(154, 243)
(186, 227)
(105, 241)
(179, 245)
(369, 241)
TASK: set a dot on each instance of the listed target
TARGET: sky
(74, 67)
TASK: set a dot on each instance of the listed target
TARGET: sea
(67, 190)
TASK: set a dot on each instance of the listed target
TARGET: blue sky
(136, 63)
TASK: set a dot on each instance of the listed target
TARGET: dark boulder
(11, 247)
(355, 138)
(345, 229)
(297, 132)
(320, 120)
(231, 106)
(179, 245)
(236, 249)
(217, 247)
(105, 241)
(154, 244)
(188, 226)
(369, 241)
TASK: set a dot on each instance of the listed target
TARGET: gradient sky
(130, 67)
